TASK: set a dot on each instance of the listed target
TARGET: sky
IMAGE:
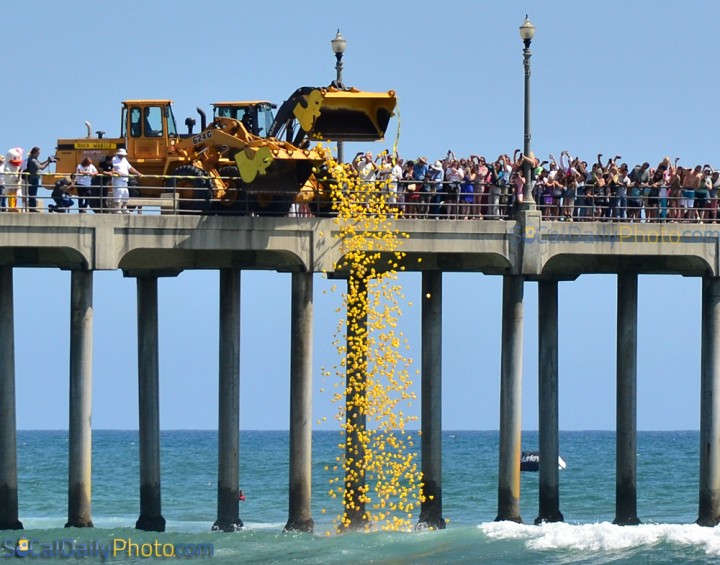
(638, 79)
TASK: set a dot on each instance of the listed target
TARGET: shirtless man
(691, 182)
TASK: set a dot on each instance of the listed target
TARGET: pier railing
(436, 200)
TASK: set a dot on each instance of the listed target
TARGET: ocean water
(667, 504)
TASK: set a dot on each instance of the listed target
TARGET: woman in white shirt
(83, 181)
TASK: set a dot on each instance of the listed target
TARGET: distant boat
(530, 461)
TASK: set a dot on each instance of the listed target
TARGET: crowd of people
(469, 188)
(564, 189)
(21, 178)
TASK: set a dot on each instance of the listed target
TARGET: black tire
(271, 203)
(192, 186)
(235, 200)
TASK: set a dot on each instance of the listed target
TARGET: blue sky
(637, 79)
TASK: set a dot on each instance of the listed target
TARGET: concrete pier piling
(709, 495)
(80, 429)
(301, 342)
(151, 518)
(355, 399)
(510, 400)
(626, 461)
(228, 511)
(431, 515)
(8, 436)
(549, 480)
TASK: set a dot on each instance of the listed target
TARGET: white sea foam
(604, 536)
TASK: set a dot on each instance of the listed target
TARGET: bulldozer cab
(151, 132)
(334, 114)
(257, 117)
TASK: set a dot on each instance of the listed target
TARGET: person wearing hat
(420, 169)
(435, 175)
(121, 169)
(365, 166)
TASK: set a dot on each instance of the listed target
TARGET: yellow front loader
(243, 162)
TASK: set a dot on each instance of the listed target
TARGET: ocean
(668, 464)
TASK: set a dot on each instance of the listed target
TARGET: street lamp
(527, 32)
(338, 46)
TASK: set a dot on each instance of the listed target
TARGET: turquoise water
(667, 503)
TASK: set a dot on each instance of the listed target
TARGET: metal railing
(436, 200)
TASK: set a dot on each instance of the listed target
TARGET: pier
(523, 251)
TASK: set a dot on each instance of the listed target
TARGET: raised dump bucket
(334, 115)
(352, 115)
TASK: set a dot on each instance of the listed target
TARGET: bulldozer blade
(345, 115)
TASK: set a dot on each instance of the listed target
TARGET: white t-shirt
(83, 175)
(366, 173)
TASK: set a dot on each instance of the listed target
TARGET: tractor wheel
(274, 203)
(235, 199)
(193, 187)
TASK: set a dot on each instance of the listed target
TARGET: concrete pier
(431, 515)
(549, 480)
(510, 400)
(8, 435)
(626, 461)
(301, 343)
(355, 398)
(709, 496)
(530, 248)
(228, 511)
(80, 429)
(151, 518)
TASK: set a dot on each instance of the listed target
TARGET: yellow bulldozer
(246, 160)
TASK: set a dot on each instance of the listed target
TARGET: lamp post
(338, 46)
(527, 32)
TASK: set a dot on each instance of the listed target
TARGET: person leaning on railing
(84, 173)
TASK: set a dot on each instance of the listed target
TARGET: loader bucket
(273, 179)
(345, 115)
